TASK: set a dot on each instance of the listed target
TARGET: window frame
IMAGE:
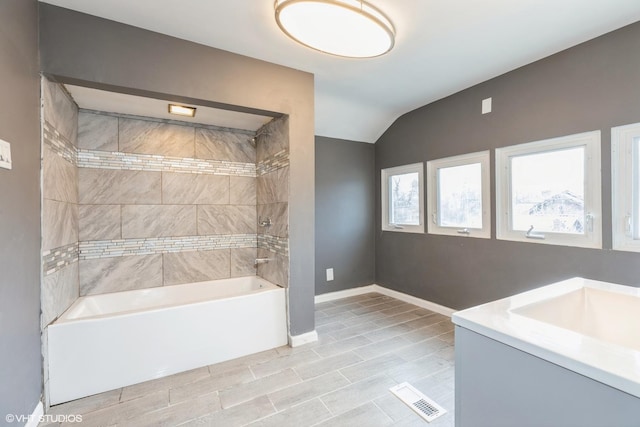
(385, 197)
(623, 175)
(592, 238)
(482, 157)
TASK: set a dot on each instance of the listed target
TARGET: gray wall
(20, 367)
(500, 386)
(595, 85)
(345, 223)
(79, 48)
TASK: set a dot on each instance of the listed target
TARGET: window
(458, 200)
(402, 204)
(549, 191)
(625, 166)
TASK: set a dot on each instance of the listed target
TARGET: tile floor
(366, 345)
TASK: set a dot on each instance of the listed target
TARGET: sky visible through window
(460, 196)
(547, 191)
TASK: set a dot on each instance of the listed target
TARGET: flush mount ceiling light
(350, 28)
(182, 110)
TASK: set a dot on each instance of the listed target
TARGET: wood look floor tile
(254, 389)
(365, 415)
(305, 414)
(366, 344)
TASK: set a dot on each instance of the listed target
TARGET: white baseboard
(34, 418)
(302, 339)
(344, 294)
(437, 308)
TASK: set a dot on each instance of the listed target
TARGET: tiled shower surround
(165, 203)
(272, 151)
(157, 202)
(60, 284)
(132, 202)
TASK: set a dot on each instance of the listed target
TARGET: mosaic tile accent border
(159, 245)
(56, 259)
(59, 144)
(155, 163)
(275, 162)
(279, 245)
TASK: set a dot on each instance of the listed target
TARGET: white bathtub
(108, 341)
(586, 326)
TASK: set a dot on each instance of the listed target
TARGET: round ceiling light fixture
(349, 28)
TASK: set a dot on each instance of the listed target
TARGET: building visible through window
(549, 191)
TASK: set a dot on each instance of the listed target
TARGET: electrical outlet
(329, 274)
(486, 106)
(5, 154)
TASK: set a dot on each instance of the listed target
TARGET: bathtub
(108, 341)
(578, 339)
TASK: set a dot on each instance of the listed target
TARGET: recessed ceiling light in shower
(349, 28)
(182, 110)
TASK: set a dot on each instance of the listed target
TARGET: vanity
(566, 354)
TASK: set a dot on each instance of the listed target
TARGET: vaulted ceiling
(442, 47)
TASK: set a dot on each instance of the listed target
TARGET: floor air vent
(421, 404)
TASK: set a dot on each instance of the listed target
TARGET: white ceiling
(112, 102)
(442, 46)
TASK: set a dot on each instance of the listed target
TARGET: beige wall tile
(226, 220)
(279, 215)
(139, 221)
(220, 145)
(242, 190)
(59, 178)
(243, 262)
(196, 266)
(201, 189)
(110, 187)
(273, 187)
(59, 110)
(148, 137)
(59, 224)
(99, 222)
(103, 275)
(276, 270)
(59, 291)
(274, 138)
(97, 132)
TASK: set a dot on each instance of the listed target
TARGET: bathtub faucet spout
(262, 261)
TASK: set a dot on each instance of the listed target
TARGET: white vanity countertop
(586, 326)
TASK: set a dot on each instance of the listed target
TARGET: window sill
(590, 243)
